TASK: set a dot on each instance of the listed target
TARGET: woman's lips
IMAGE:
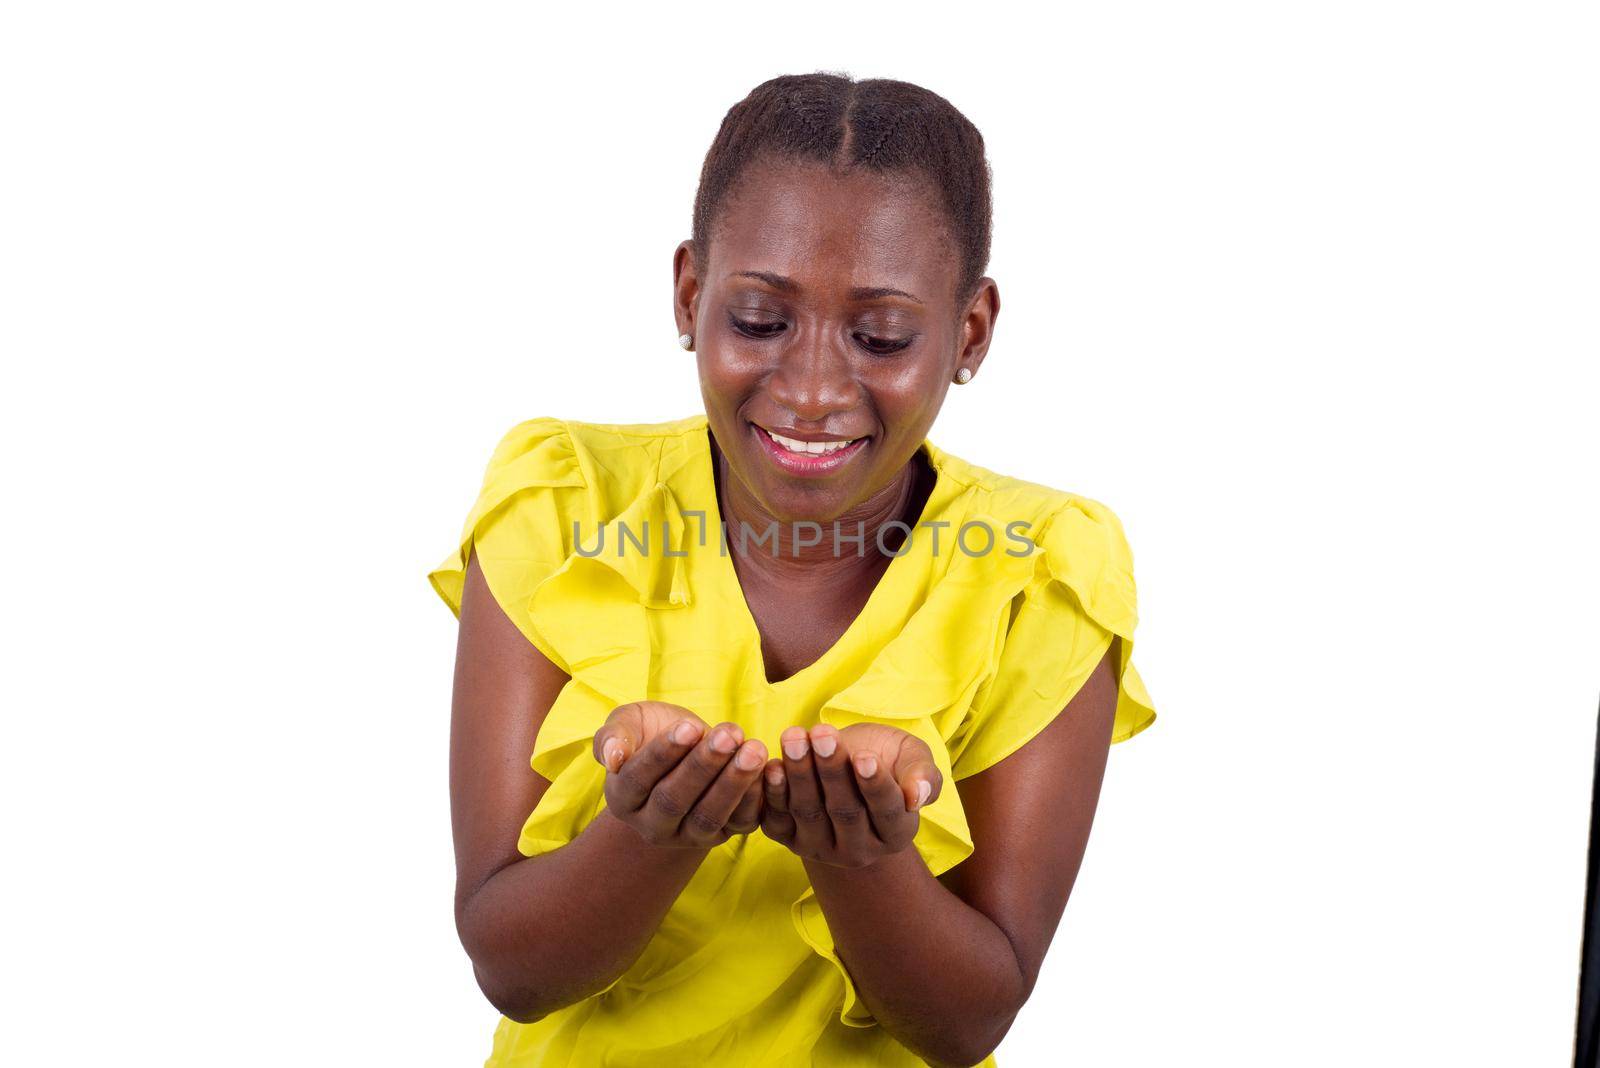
(806, 463)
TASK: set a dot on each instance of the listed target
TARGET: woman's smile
(807, 454)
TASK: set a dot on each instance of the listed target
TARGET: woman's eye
(757, 328)
(882, 346)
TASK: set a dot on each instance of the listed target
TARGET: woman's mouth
(799, 457)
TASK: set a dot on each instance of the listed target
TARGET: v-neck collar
(889, 590)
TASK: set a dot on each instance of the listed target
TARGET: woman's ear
(977, 325)
(685, 287)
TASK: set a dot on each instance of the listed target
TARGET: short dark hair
(879, 124)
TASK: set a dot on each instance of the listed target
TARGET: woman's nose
(814, 378)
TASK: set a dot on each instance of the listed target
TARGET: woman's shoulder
(1079, 567)
(1073, 539)
(591, 436)
(548, 477)
(612, 459)
(1009, 497)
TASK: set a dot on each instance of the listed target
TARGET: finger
(776, 822)
(680, 789)
(620, 736)
(892, 821)
(812, 833)
(852, 829)
(747, 817)
(630, 787)
(776, 787)
(707, 822)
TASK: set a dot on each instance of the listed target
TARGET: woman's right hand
(676, 782)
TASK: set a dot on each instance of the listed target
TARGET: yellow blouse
(973, 651)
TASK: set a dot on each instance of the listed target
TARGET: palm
(650, 718)
(889, 743)
(633, 726)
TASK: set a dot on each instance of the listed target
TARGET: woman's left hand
(848, 797)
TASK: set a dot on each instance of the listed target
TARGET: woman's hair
(879, 124)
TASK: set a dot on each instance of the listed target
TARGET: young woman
(817, 712)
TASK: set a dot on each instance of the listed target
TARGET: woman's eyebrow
(788, 285)
(874, 292)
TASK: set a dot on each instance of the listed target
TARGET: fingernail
(825, 744)
(794, 748)
(775, 775)
(612, 752)
(684, 733)
(924, 788)
(722, 742)
(748, 759)
(867, 765)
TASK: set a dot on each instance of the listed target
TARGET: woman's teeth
(813, 447)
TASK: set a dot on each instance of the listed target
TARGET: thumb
(619, 737)
(920, 782)
(919, 777)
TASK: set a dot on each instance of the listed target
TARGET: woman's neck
(822, 551)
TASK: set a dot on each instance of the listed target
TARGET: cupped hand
(676, 781)
(848, 797)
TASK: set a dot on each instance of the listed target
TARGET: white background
(1305, 293)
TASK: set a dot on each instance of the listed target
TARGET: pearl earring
(686, 340)
(963, 376)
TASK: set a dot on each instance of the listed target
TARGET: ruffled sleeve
(1081, 597)
(521, 525)
(536, 529)
(521, 530)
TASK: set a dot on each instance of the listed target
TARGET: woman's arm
(945, 965)
(548, 931)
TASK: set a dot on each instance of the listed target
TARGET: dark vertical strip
(1587, 1053)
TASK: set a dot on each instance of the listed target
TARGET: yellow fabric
(974, 652)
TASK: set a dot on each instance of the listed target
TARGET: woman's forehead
(824, 228)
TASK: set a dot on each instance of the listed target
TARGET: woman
(813, 757)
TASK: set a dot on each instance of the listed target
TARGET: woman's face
(827, 315)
